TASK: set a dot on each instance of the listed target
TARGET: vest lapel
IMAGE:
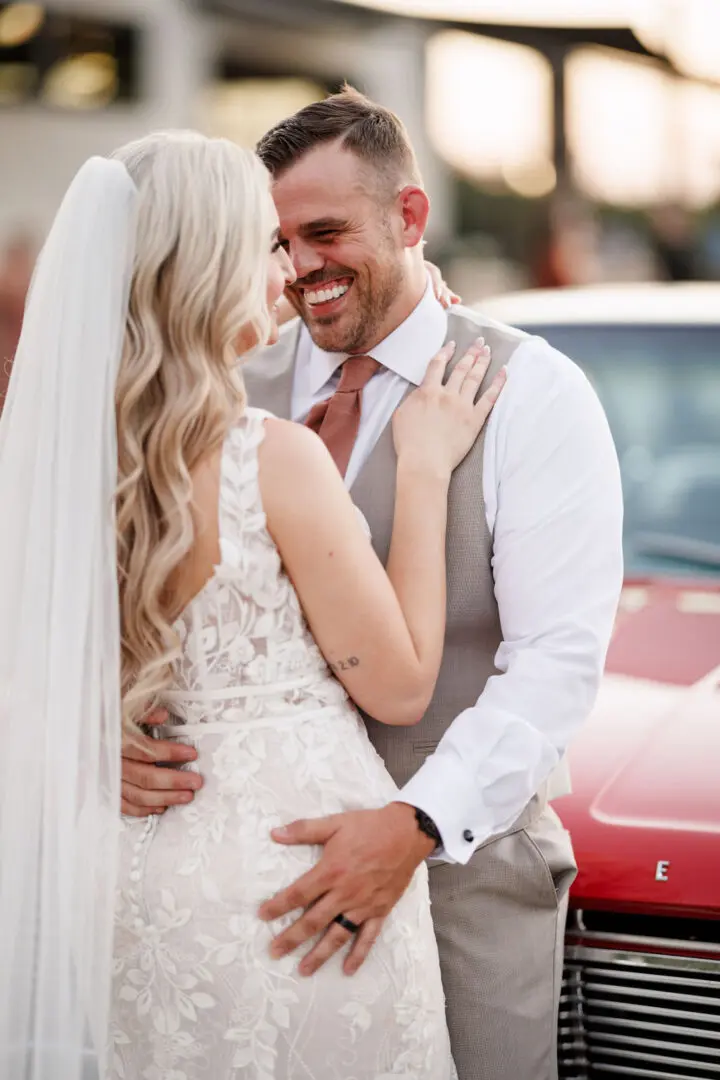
(374, 489)
(269, 375)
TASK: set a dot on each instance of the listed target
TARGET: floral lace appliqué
(196, 993)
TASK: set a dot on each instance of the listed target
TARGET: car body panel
(644, 813)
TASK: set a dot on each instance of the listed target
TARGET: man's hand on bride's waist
(146, 787)
(368, 861)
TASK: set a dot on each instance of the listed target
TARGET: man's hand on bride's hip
(147, 788)
(437, 424)
(368, 861)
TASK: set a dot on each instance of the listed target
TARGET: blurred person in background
(675, 242)
(710, 244)
(155, 522)
(534, 576)
(569, 249)
(16, 267)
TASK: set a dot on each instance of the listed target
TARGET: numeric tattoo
(344, 665)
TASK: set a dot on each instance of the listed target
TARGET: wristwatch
(427, 826)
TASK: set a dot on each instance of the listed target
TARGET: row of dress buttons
(135, 872)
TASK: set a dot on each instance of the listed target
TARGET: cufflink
(468, 836)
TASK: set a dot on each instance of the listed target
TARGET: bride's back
(246, 650)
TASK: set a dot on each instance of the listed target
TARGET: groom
(534, 573)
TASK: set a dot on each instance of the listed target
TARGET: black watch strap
(427, 826)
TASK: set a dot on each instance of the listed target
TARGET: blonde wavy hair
(199, 281)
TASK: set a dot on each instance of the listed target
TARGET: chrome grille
(651, 1013)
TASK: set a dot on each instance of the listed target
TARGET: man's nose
(305, 259)
(288, 269)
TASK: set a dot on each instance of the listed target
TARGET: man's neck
(406, 303)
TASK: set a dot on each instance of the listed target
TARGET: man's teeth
(321, 296)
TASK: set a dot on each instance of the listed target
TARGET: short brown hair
(375, 134)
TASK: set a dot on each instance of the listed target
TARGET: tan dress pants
(500, 925)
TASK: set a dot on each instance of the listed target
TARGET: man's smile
(327, 297)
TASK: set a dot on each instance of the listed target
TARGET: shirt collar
(407, 351)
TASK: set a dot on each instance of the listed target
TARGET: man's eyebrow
(323, 225)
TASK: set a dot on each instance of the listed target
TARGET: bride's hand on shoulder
(438, 423)
(442, 290)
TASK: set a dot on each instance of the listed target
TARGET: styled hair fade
(370, 131)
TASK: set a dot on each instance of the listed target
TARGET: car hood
(645, 810)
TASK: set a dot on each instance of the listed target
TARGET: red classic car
(641, 995)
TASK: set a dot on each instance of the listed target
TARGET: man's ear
(414, 207)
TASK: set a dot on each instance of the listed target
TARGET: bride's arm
(382, 633)
(386, 657)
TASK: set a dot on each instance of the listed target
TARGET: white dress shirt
(553, 503)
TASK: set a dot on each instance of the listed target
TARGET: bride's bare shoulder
(297, 474)
(292, 446)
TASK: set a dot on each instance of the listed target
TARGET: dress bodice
(247, 651)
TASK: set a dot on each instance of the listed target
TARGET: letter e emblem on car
(661, 870)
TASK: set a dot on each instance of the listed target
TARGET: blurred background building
(562, 141)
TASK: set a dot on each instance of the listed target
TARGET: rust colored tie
(337, 420)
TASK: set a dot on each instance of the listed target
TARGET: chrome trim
(651, 961)
(655, 1044)
(674, 944)
(650, 1010)
(651, 974)
(660, 1059)
(644, 994)
(635, 1013)
(625, 1071)
(667, 1029)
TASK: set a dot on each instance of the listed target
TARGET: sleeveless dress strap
(241, 509)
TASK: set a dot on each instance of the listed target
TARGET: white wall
(40, 149)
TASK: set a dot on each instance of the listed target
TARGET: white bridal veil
(59, 640)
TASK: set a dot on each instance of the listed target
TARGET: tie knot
(357, 371)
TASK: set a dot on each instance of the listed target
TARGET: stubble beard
(365, 328)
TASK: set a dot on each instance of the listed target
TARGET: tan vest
(473, 632)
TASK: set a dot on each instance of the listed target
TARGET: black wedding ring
(347, 924)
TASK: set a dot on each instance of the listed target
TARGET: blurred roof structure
(326, 13)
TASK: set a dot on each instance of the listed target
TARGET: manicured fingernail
(281, 833)
(480, 342)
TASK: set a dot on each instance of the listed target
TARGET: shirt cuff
(428, 791)
(471, 800)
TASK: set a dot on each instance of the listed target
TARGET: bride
(155, 551)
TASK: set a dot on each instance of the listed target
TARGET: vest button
(468, 836)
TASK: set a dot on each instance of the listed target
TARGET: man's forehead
(325, 183)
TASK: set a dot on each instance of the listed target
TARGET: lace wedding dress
(196, 995)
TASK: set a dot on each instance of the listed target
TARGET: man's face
(345, 242)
